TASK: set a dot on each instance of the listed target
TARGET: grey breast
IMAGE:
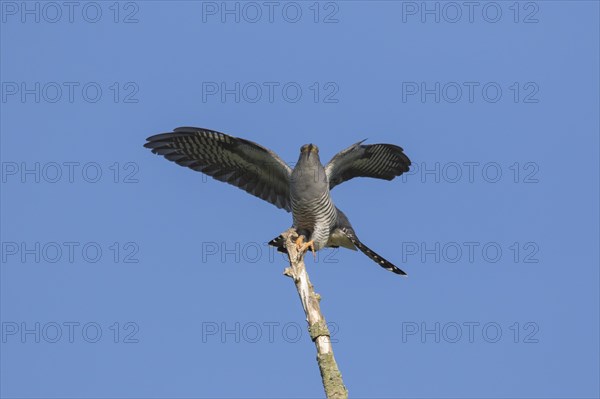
(312, 208)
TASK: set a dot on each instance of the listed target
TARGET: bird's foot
(302, 246)
(311, 245)
(299, 242)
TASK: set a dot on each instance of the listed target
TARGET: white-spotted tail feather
(380, 260)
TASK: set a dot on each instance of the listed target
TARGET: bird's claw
(299, 242)
(302, 246)
(308, 245)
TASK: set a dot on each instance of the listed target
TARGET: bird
(305, 190)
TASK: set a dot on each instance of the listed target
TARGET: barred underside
(317, 216)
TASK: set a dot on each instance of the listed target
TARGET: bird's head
(307, 149)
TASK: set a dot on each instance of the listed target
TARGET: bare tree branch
(317, 326)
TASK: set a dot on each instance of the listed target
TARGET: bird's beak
(308, 150)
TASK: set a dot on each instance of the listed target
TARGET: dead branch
(317, 326)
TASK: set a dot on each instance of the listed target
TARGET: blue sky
(124, 275)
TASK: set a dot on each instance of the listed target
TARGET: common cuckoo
(304, 190)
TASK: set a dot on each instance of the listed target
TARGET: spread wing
(236, 161)
(381, 161)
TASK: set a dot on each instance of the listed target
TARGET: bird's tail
(381, 261)
(278, 242)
